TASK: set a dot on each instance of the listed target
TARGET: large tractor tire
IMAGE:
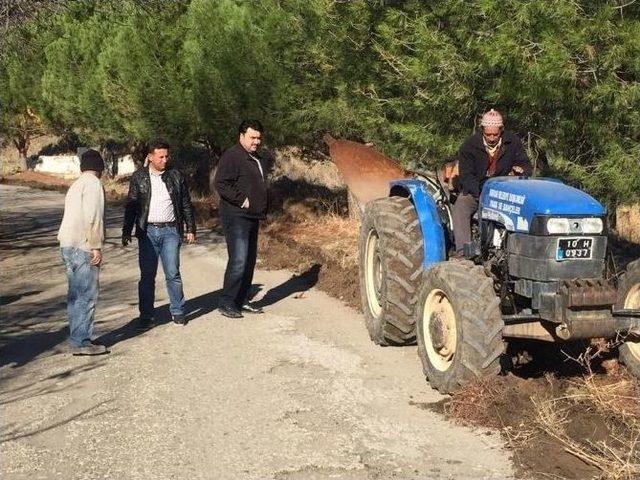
(459, 326)
(390, 249)
(629, 297)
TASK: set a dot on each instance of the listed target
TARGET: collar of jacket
(242, 150)
(163, 175)
(477, 142)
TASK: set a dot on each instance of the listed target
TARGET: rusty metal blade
(365, 171)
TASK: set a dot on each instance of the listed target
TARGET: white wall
(69, 165)
(65, 165)
(126, 165)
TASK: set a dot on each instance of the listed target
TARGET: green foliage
(227, 63)
(71, 82)
(142, 76)
(409, 75)
(21, 68)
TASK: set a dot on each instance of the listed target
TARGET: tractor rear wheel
(390, 249)
(629, 297)
(459, 326)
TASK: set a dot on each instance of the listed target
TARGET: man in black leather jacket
(159, 205)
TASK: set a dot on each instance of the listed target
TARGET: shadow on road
(31, 328)
(194, 308)
(12, 431)
(204, 304)
(297, 283)
(51, 384)
(21, 341)
(7, 299)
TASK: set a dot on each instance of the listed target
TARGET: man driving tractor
(490, 152)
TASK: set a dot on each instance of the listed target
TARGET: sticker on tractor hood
(494, 215)
(505, 201)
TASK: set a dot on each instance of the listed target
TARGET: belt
(161, 224)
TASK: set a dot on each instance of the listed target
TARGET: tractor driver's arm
(467, 182)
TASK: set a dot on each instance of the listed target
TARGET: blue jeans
(163, 243)
(82, 294)
(241, 234)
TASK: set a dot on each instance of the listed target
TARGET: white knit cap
(492, 118)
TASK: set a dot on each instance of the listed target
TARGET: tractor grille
(534, 257)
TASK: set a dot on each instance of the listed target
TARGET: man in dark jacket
(241, 183)
(491, 152)
(159, 205)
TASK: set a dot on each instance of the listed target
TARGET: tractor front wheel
(390, 269)
(459, 326)
(629, 297)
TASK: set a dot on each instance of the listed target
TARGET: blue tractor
(539, 268)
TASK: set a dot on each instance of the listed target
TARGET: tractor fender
(433, 244)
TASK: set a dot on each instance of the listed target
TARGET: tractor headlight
(592, 225)
(544, 225)
(558, 226)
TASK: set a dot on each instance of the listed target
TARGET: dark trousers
(463, 210)
(241, 234)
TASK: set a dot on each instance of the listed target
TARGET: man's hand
(245, 204)
(126, 239)
(191, 238)
(96, 257)
(516, 170)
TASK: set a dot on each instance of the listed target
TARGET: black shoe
(252, 308)
(229, 312)
(144, 323)
(89, 348)
(179, 319)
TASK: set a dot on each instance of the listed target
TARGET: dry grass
(116, 187)
(311, 167)
(583, 422)
(628, 222)
(476, 404)
(618, 455)
(335, 236)
(618, 399)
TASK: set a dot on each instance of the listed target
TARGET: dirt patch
(37, 180)
(284, 253)
(560, 424)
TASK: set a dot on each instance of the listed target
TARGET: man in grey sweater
(81, 238)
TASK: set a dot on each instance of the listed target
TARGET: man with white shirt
(241, 183)
(81, 238)
(159, 205)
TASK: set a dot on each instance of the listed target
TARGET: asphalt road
(297, 393)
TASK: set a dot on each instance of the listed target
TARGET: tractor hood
(515, 201)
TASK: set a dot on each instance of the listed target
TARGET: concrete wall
(126, 165)
(64, 165)
(69, 165)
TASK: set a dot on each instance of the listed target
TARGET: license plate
(574, 249)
